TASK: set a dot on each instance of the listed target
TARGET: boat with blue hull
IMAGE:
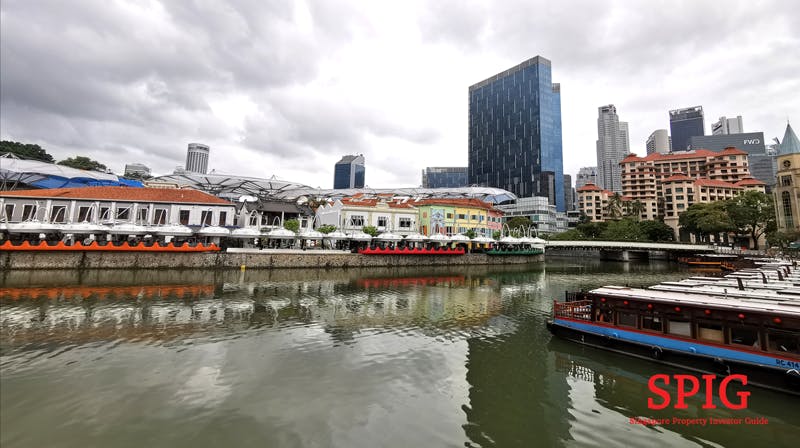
(705, 333)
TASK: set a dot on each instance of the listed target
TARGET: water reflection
(393, 357)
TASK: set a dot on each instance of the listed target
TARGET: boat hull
(761, 370)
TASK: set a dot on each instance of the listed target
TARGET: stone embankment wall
(10, 260)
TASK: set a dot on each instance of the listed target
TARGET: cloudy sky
(286, 88)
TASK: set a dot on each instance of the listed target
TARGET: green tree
(706, 219)
(584, 219)
(83, 163)
(752, 213)
(569, 235)
(592, 230)
(657, 231)
(519, 223)
(292, 224)
(623, 230)
(326, 229)
(496, 234)
(370, 230)
(470, 233)
(25, 151)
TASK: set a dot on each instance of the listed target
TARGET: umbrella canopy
(439, 238)
(526, 240)
(509, 240)
(336, 235)
(281, 233)
(311, 235)
(389, 236)
(416, 237)
(539, 242)
(214, 231)
(127, 229)
(32, 227)
(83, 227)
(246, 232)
(360, 236)
(459, 238)
(173, 230)
(482, 240)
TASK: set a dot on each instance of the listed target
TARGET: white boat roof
(786, 307)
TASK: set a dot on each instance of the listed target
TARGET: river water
(423, 357)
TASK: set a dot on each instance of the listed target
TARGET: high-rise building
(613, 145)
(727, 126)
(349, 172)
(569, 193)
(684, 124)
(586, 175)
(444, 177)
(515, 132)
(137, 170)
(659, 142)
(197, 158)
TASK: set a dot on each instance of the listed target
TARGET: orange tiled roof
(703, 182)
(459, 202)
(677, 178)
(730, 150)
(749, 181)
(589, 187)
(128, 194)
(372, 202)
(631, 158)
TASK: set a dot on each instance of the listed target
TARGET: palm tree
(614, 208)
(635, 209)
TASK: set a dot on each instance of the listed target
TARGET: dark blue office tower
(349, 172)
(515, 132)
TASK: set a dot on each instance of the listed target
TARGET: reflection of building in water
(434, 304)
(516, 398)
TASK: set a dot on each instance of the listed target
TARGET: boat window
(710, 332)
(680, 328)
(745, 336)
(652, 323)
(783, 342)
(627, 319)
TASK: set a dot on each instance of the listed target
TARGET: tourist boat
(753, 336)
(724, 262)
(412, 251)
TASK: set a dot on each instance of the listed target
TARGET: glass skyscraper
(515, 132)
(349, 172)
(444, 177)
(685, 124)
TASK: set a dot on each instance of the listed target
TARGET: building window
(449, 216)
(184, 217)
(357, 220)
(405, 223)
(84, 214)
(786, 201)
(123, 213)
(105, 213)
(382, 221)
(160, 217)
(462, 216)
(58, 213)
(205, 217)
(223, 218)
(786, 181)
(448, 230)
(27, 212)
(141, 215)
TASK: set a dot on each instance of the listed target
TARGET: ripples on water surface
(427, 357)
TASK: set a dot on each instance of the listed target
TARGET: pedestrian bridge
(627, 250)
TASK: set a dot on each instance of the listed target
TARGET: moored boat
(756, 337)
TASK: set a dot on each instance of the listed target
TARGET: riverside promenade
(236, 258)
